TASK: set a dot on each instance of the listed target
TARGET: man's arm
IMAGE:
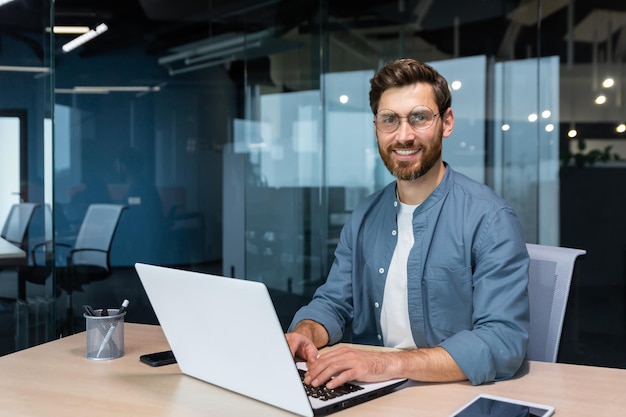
(346, 364)
(428, 365)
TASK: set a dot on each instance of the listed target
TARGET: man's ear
(447, 118)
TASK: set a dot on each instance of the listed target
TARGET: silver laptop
(225, 331)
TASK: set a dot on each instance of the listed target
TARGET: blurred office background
(237, 137)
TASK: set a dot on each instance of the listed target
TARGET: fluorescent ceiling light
(191, 68)
(217, 44)
(107, 89)
(3, 2)
(85, 37)
(221, 54)
(69, 30)
(222, 49)
(74, 91)
(23, 69)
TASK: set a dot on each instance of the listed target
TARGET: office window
(10, 161)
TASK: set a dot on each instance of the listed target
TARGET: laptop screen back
(225, 331)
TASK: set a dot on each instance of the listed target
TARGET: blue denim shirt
(467, 277)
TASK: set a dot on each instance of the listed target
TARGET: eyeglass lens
(421, 117)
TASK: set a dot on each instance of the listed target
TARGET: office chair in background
(27, 230)
(17, 223)
(89, 258)
(25, 227)
(550, 276)
(40, 262)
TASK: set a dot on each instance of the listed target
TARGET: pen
(89, 310)
(109, 334)
(123, 307)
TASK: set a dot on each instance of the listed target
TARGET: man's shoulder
(462, 185)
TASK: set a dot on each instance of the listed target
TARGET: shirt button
(394, 232)
(381, 270)
(380, 337)
(376, 304)
(395, 204)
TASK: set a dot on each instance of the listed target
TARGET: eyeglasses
(420, 118)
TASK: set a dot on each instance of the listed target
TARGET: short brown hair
(403, 72)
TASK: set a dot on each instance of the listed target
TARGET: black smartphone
(158, 358)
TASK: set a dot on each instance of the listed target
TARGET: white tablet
(494, 406)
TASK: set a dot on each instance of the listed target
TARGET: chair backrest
(17, 222)
(93, 242)
(550, 276)
(41, 252)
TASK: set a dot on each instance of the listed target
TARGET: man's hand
(346, 364)
(302, 347)
(306, 338)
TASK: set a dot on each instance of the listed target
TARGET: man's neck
(416, 191)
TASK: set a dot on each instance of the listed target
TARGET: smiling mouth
(406, 152)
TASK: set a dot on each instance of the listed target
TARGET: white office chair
(550, 275)
(15, 228)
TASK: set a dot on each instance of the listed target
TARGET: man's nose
(405, 130)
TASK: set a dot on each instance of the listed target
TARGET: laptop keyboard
(325, 394)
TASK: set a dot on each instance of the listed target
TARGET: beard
(409, 171)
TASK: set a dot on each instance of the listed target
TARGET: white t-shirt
(394, 316)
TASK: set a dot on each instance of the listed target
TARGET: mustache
(405, 145)
(402, 147)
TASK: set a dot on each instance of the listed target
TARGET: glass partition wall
(237, 138)
(27, 298)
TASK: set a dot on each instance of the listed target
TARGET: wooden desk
(11, 255)
(55, 379)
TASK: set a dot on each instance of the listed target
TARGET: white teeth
(406, 151)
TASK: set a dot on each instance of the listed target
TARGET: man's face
(409, 153)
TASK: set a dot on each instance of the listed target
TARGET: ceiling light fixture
(221, 44)
(85, 37)
(3, 2)
(608, 82)
(222, 49)
(107, 89)
(601, 99)
(12, 68)
(209, 64)
(69, 30)
(221, 54)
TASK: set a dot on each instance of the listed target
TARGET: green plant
(582, 158)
